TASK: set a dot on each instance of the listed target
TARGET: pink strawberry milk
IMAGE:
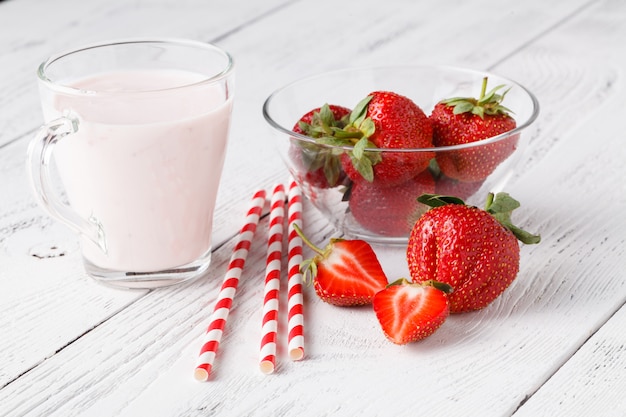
(140, 166)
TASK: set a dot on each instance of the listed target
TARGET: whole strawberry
(475, 251)
(463, 120)
(408, 312)
(390, 211)
(387, 120)
(317, 165)
(345, 272)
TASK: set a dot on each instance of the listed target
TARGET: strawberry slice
(408, 312)
(345, 272)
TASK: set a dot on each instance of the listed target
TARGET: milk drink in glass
(138, 132)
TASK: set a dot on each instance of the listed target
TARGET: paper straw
(229, 287)
(272, 281)
(295, 316)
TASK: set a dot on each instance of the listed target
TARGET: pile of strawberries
(460, 259)
(355, 149)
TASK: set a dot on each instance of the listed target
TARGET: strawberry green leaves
(364, 161)
(361, 127)
(320, 164)
(358, 118)
(487, 103)
(501, 206)
(334, 136)
(434, 200)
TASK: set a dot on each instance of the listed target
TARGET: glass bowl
(385, 212)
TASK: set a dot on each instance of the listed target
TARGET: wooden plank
(592, 380)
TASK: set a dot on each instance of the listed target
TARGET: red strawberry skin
(390, 211)
(349, 273)
(467, 248)
(310, 160)
(477, 163)
(409, 312)
(399, 123)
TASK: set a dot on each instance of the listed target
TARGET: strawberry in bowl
(463, 120)
(390, 211)
(364, 170)
(318, 166)
(387, 120)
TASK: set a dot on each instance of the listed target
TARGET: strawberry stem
(399, 281)
(483, 89)
(307, 241)
(441, 286)
(489, 201)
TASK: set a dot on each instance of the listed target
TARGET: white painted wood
(591, 382)
(99, 352)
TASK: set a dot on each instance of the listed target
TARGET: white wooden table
(553, 345)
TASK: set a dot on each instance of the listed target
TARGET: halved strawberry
(408, 312)
(345, 272)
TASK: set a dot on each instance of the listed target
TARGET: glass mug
(137, 131)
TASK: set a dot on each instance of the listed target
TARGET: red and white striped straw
(229, 287)
(295, 315)
(272, 281)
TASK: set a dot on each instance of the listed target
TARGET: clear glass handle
(38, 165)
